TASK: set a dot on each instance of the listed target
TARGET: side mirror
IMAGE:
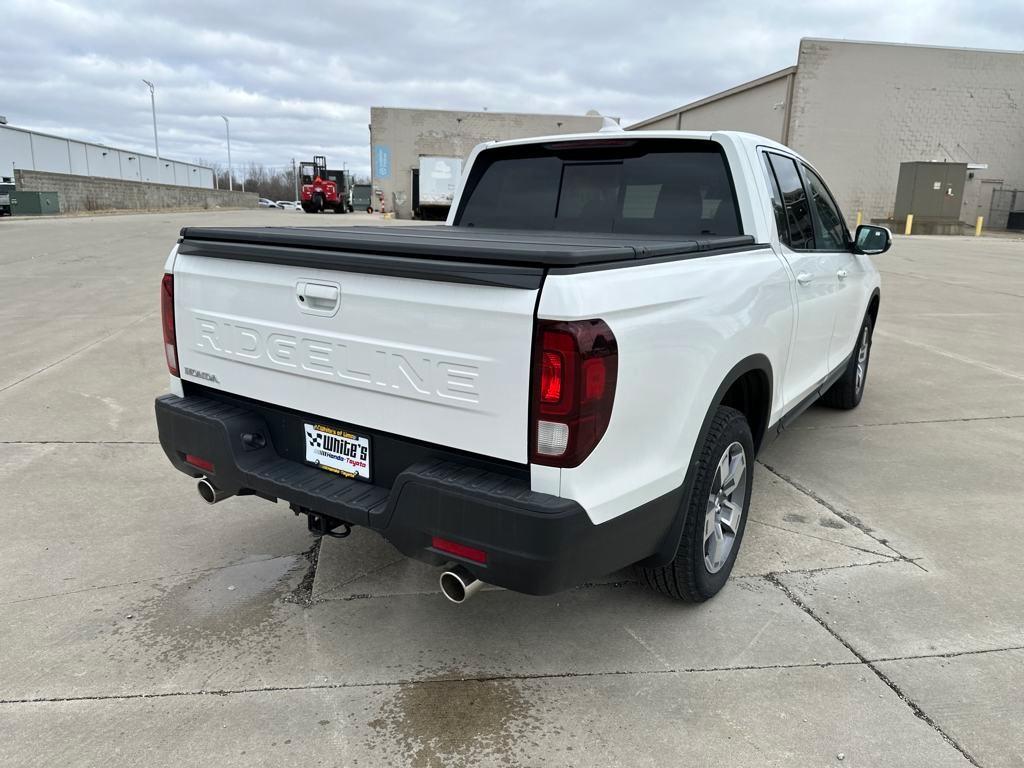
(872, 240)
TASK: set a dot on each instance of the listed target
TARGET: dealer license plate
(338, 451)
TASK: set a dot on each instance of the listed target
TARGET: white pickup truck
(570, 377)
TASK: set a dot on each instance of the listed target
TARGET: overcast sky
(299, 77)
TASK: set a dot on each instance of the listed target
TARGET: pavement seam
(916, 708)
(79, 442)
(904, 423)
(953, 355)
(986, 291)
(79, 351)
(442, 681)
(844, 516)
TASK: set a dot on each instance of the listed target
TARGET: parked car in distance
(289, 205)
(572, 376)
(265, 203)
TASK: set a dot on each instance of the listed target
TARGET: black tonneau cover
(512, 258)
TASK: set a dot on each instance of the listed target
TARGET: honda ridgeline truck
(572, 376)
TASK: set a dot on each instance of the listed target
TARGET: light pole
(156, 141)
(227, 127)
(295, 177)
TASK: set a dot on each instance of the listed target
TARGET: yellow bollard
(858, 219)
(977, 226)
(910, 224)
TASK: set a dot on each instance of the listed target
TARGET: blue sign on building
(382, 161)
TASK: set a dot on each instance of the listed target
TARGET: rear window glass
(638, 186)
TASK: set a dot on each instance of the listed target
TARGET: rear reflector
(459, 550)
(203, 464)
(167, 320)
(575, 367)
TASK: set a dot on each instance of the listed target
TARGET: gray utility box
(934, 194)
(34, 203)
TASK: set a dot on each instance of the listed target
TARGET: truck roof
(613, 135)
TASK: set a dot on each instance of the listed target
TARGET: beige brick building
(401, 138)
(857, 110)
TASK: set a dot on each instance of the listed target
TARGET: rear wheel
(717, 515)
(847, 392)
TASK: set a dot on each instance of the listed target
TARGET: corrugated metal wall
(33, 151)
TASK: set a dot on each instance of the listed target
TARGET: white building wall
(861, 109)
(33, 151)
(79, 161)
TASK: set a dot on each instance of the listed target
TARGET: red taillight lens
(575, 369)
(167, 317)
(551, 377)
(203, 464)
(459, 550)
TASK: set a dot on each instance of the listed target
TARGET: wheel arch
(873, 304)
(748, 384)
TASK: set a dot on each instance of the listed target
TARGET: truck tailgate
(443, 362)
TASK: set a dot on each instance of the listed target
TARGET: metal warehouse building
(417, 154)
(34, 151)
(859, 111)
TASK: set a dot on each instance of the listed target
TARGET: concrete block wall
(93, 193)
(861, 109)
(411, 133)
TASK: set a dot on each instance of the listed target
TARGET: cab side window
(794, 197)
(829, 230)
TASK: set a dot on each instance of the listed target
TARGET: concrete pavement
(874, 617)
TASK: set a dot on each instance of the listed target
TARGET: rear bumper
(535, 543)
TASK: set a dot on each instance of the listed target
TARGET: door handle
(318, 298)
(842, 274)
(804, 278)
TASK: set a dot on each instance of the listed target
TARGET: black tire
(847, 392)
(688, 577)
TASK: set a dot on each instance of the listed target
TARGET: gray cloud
(299, 77)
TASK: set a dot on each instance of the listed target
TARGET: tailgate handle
(318, 298)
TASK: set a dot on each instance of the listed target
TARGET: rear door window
(776, 199)
(638, 186)
(794, 197)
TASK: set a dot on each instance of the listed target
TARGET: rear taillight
(167, 317)
(574, 372)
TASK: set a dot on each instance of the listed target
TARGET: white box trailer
(439, 176)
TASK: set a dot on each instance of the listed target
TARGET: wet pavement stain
(441, 723)
(228, 608)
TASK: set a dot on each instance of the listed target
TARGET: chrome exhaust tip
(458, 584)
(210, 493)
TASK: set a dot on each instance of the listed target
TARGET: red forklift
(322, 188)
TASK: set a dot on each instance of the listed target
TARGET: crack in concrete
(432, 681)
(947, 654)
(818, 538)
(844, 516)
(918, 711)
